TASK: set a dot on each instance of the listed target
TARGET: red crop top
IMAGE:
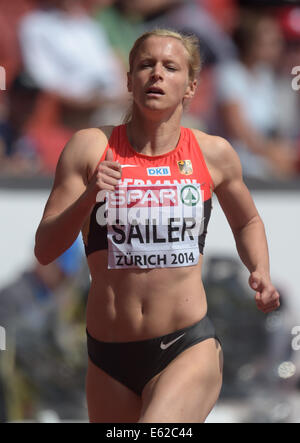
(159, 213)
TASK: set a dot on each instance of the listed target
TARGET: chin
(153, 107)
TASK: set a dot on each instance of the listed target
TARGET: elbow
(41, 258)
(253, 221)
(257, 220)
(45, 250)
(41, 251)
(38, 251)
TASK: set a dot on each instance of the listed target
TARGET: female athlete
(140, 193)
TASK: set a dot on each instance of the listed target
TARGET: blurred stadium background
(65, 64)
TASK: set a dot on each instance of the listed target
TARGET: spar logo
(190, 195)
(144, 197)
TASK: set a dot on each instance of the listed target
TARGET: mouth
(154, 91)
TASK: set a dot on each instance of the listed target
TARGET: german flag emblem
(185, 167)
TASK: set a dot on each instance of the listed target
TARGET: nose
(156, 73)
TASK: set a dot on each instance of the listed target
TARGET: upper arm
(72, 169)
(231, 191)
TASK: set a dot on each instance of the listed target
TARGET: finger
(105, 169)
(270, 306)
(109, 188)
(267, 300)
(269, 294)
(112, 165)
(275, 296)
(107, 180)
(258, 297)
(109, 159)
(109, 155)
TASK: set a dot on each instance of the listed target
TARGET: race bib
(153, 226)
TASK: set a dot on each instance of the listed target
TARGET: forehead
(163, 47)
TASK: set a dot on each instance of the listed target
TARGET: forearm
(56, 233)
(252, 246)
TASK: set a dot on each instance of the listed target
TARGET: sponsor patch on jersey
(190, 195)
(185, 167)
(158, 171)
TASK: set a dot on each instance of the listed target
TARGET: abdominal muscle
(138, 304)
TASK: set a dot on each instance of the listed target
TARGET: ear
(129, 82)
(191, 89)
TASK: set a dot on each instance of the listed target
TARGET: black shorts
(134, 363)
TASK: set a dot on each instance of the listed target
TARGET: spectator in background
(29, 143)
(224, 12)
(67, 56)
(18, 150)
(187, 16)
(24, 300)
(249, 99)
(10, 16)
(65, 52)
(38, 310)
(122, 26)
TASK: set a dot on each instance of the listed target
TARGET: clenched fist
(266, 297)
(106, 176)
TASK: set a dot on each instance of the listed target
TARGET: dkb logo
(2, 339)
(2, 79)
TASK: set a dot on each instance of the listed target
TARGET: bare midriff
(138, 304)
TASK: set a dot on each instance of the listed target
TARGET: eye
(145, 65)
(171, 68)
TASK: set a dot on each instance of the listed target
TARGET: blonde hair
(189, 41)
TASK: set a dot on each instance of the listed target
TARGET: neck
(154, 136)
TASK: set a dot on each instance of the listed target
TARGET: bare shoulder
(84, 150)
(91, 141)
(215, 149)
(220, 157)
